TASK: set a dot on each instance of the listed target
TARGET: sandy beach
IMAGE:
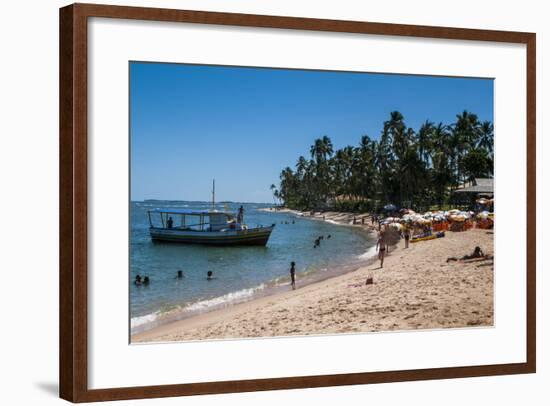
(361, 219)
(416, 289)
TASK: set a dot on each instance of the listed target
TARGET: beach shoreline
(361, 220)
(142, 324)
(416, 289)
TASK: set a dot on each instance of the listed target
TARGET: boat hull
(254, 236)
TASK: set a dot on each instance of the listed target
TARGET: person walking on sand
(407, 236)
(293, 275)
(381, 248)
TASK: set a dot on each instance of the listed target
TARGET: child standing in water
(293, 275)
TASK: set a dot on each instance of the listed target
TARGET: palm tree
(425, 135)
(442, 159)
(486, 136)
(364, 173)
(403, 166)
(275, 192)
(320, 151)
(465, 136)
(301, 166)
(476, 164)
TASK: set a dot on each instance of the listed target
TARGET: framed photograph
(255, 202)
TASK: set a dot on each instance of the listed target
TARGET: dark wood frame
(73, 362)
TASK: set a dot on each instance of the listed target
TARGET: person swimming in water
(317, 243)
(137, 281)
(180, 275)
(209, 276)
(146, 280)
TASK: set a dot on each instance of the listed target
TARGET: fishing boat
(211, 226)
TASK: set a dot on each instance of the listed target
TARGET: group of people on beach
(383, 246)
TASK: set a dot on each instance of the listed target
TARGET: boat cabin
(192, 220)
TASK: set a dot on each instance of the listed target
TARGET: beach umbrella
(388, 220)
(458, 218)
(397, 226)
(407, 218)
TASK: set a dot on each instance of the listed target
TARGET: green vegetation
(414, 169)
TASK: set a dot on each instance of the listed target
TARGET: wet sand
(416, 289)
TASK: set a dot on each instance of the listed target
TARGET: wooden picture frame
(74, 201)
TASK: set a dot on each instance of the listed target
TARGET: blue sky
(242, 126)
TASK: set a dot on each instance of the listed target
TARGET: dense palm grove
(415, 169)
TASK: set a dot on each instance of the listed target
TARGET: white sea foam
(229, 298)
(140, 320)
(370, 253)
(335, 222)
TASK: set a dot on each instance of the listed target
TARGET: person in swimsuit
(478, 253)
(407, 236)
(381, 248)
(293, 275)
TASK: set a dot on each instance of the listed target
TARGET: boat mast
(213, 193)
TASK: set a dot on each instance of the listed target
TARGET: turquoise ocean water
(241, 273)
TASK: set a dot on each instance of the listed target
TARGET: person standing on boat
(293, 275)
(240, 215)
(170, 222)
